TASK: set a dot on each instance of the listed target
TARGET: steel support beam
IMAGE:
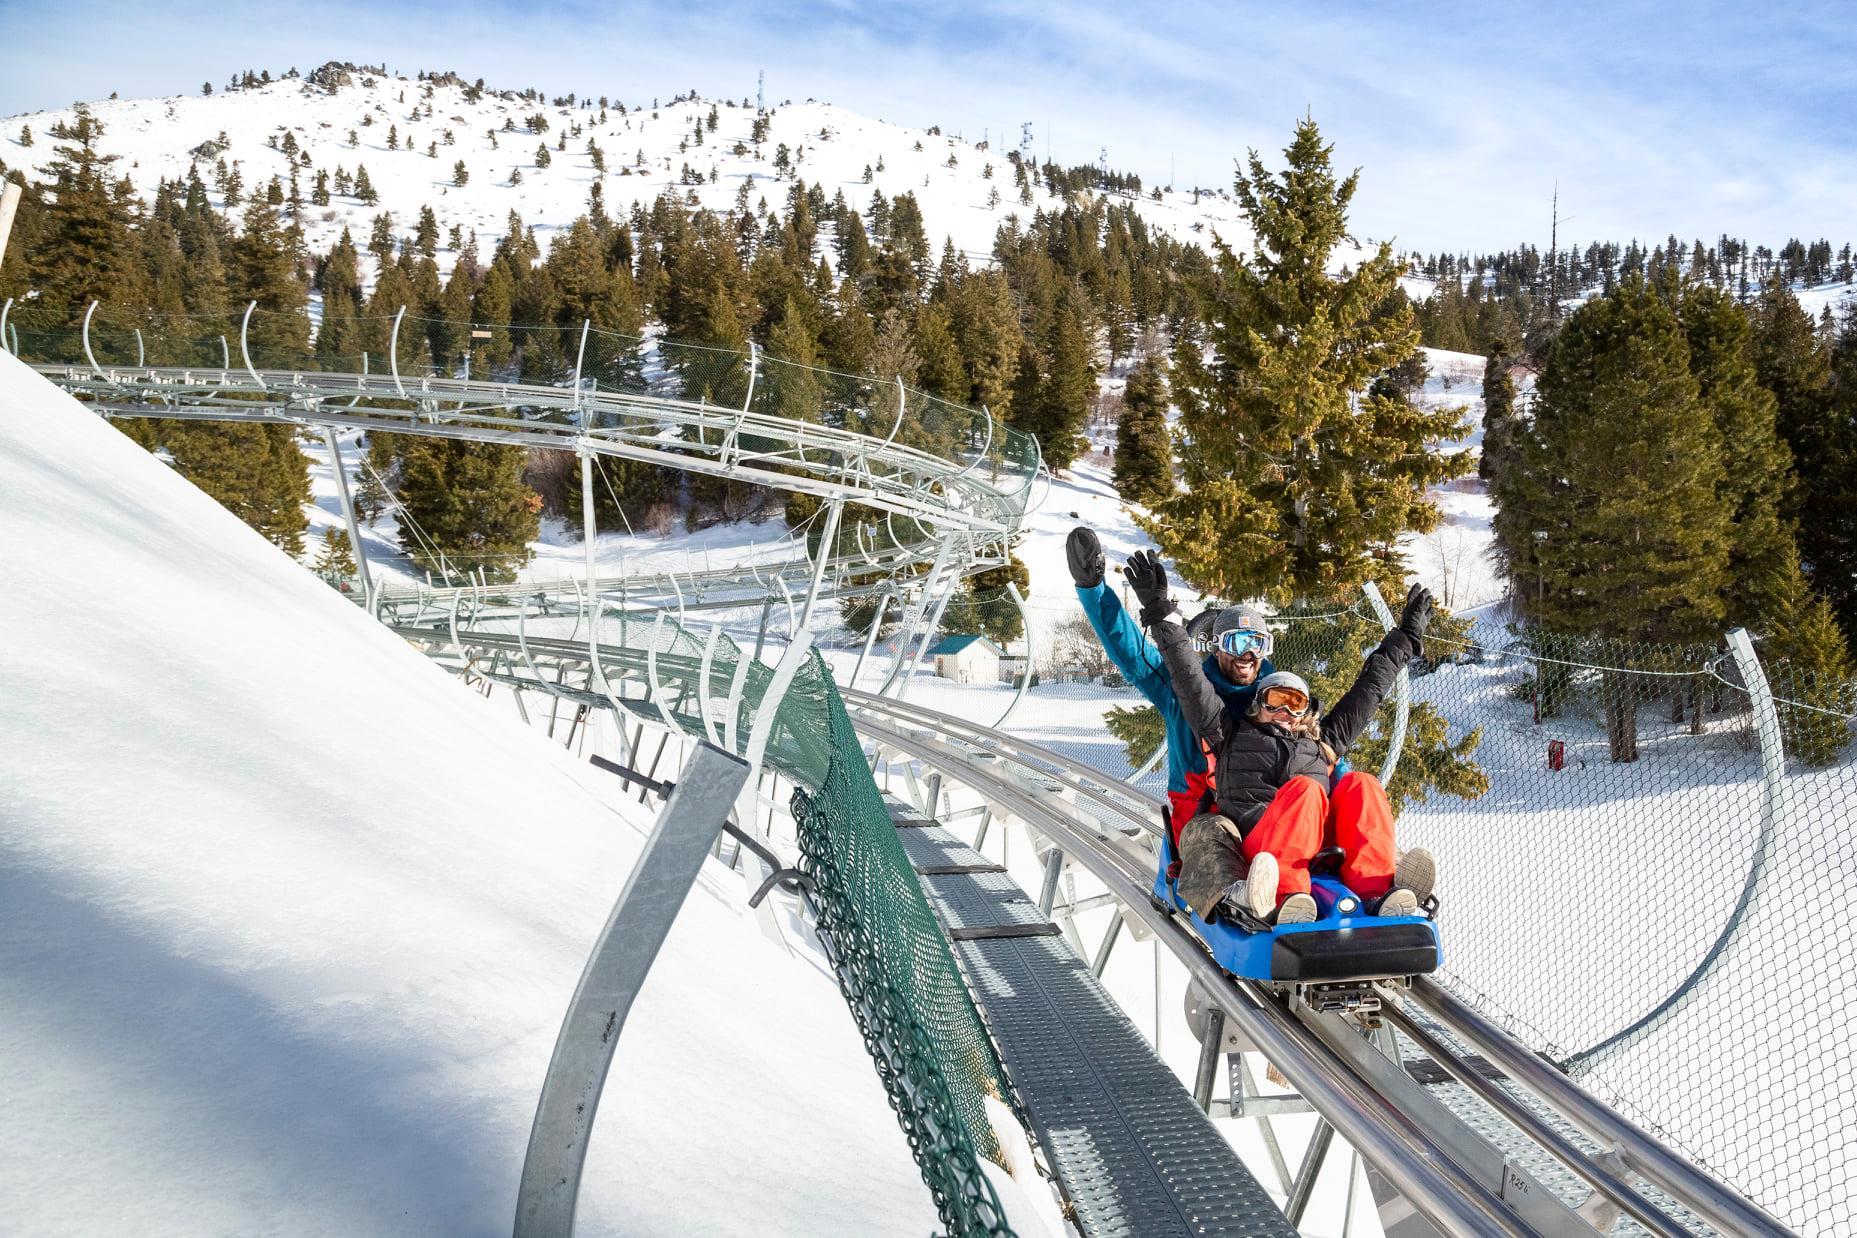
(348, 515)
(622, 956)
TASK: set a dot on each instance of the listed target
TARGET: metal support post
(1306, 1175)
(827, 541)
(1246, 1088)
(348, 514)
(1054, 864)
(980, 835)
(622, 956)
(760, 634)
(1102, 952)
(1402, 690)
(1208, 1056)
(870, 637)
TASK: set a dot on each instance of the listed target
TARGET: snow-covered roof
(955, 644)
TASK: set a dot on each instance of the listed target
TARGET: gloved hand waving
(1418, 612)
(1148, 578)
(1086, 558)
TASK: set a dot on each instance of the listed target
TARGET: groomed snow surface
(291, 917)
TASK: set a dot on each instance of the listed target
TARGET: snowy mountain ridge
(342, 118)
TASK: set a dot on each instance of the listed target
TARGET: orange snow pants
(1304, 818)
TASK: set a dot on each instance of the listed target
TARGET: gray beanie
(1238, 619)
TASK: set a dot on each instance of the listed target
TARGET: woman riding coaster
(1274, 807)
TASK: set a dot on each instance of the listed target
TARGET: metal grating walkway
(1135, 1155)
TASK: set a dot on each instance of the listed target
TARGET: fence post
(1402, 690)
(245, 344)
(1031, 656)
(622, 956)
(91, 356)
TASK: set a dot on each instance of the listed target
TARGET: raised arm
(1200, 703)
(1343, 724)
(1131, 652)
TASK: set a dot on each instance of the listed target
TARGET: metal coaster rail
(1299, 1042)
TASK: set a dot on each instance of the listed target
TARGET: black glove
(1148, 579)
(1418, 612)
(1086, 558)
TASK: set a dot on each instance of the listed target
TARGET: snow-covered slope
(290, 917)
(645, 152)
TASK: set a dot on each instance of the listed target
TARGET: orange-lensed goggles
(1289, 699)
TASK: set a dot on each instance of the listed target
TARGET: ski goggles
(1240, 641)
(1295, 703)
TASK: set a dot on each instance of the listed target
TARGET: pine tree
(425, 234)
(941, 373)
(1763, 558)
(1144, 471)
(334, 558)
(795, 389)
(264, 270)
(86, 246)
(1299, 480)
(1809, 666)
(470, 501)
(984, 606)
(1500, 421)
(1816, 414)
(255, 472)
(1612, 519)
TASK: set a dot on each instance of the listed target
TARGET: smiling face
(1241, 670)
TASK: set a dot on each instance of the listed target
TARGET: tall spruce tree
(1298, 479)
(1818, 420)
(1500, 420)
(264, 270)
(1763, 558)
(85, 249)
(1612, 519)
(1144, 468)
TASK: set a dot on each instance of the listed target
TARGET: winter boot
(1256, 896)
(1416, 871)
(1296, 909)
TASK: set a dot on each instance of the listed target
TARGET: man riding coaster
(1248, 858)
(1232, 673)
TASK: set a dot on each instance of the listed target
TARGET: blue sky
(1652, 119)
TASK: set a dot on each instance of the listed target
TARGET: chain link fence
(1624, 887)
(1633, 886)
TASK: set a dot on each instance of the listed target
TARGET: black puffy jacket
(1251, 759)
